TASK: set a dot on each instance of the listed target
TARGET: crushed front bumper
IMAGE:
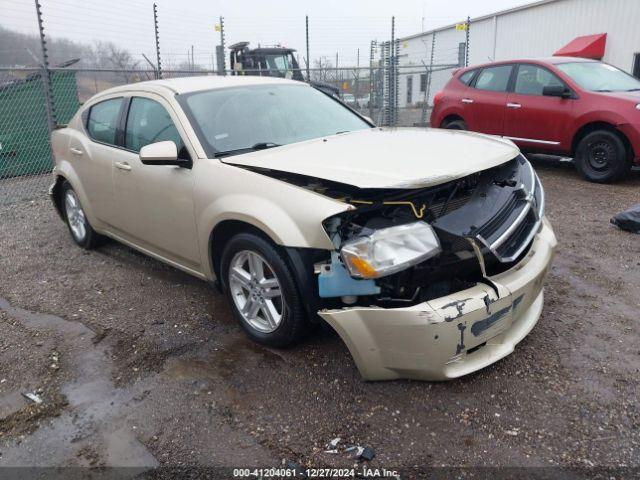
(451, 336)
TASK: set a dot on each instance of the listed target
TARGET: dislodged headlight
(389, 250)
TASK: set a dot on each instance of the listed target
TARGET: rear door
(461, 93)
(535, 121)
(487, 98)
(93, 153)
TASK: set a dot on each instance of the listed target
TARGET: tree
(322, 70)
(122, 60)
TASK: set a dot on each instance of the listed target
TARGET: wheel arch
(222, 233)
(65, 172)
(55, 191)
(299, 260)
(587, 128)
(452, 117)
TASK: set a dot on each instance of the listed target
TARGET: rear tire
(456, 125)
(261, 291)
(81, 230)
(602, 157)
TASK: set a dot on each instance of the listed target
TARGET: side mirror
(556, 91)
(162, 153)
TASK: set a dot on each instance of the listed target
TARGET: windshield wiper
(634, 90)
(252, 148)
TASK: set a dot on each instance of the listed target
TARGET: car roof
(542, 60)
(198, 83)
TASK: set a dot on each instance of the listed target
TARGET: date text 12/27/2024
(335, 473)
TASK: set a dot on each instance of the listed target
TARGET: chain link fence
(372, 71)
(25, 150)
(24, 134)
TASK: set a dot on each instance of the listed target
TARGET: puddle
(223, 362)
(95, 414)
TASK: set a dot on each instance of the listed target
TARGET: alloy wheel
(75, 216)
(256, 291)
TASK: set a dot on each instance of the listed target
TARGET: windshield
(278, 64)
(239, 118)
(599, 77)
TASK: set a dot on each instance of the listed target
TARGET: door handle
(76, 151)
(467, 100)
(514, 105)
(123, 166)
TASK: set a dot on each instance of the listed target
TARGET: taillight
(437, 97)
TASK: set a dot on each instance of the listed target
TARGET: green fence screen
(24, 136)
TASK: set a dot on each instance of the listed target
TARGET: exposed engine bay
(467, 230)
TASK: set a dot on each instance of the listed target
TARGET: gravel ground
(139, 364)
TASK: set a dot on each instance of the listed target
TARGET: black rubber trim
(301, 261)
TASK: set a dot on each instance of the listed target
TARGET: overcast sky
(341, 26)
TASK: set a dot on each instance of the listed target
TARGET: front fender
(597, 116)
(254, 210)
(290, 215)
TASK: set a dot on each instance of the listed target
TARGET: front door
(155, 202)
(535, 121)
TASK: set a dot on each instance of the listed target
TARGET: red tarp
(589, 46)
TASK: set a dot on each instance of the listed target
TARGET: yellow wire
(416, 212)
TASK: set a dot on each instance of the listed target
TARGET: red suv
(565, 106)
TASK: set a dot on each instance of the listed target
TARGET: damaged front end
(483, 225)
(423, 280)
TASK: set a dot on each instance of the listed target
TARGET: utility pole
(357, 85)
(193, 62)
(372, 52)
(155, 23)
(466, 50)
(392, 75)
(48, 92)
(306, 23)
(428, 85)
(223, 63)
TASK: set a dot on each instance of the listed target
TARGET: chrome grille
(509, 233)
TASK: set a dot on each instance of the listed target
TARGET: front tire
(261, 291)
(81, 231)
(602, 157)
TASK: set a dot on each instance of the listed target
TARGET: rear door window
(103, 119)
(494, 79)
(467, 77)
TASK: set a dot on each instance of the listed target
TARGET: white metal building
(535, 30)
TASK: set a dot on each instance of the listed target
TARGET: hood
(630, 96)
(386, 158)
